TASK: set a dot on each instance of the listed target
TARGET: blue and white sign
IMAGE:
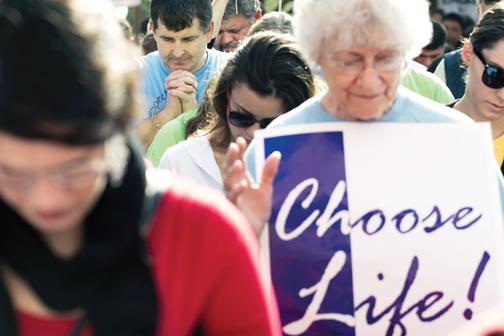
(383, 229)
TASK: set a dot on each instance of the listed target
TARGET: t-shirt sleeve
(169, 135)
(442, 93)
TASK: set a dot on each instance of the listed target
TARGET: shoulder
(193, 145)
(499, 141)
(189, 212)
(308, 112)
(217, 56)
(174, 129)
(149, 61)
(417, 108)
(185, 154)
(169, 135)
(419, 72)
(164, 139)
(453, 56)
(216, 60)
(418, 79)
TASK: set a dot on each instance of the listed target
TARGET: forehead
(24, 153)
(452, 23)
(234, 21)
(431, 52)
(260, 106)
(361, 50)
(194, 29)
(371, 37)
(495, 55)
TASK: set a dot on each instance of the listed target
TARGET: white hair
(404, 24)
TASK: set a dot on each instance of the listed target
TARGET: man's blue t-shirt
(155, 72)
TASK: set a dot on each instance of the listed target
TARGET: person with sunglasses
(483, 56)
(363, 70)
(91, 243)
(267, 77)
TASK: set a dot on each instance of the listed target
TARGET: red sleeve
(33, 325)
(204, 259)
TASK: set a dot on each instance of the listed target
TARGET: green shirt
(416, 78)
(169, 135)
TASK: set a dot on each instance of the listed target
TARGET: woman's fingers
(269, 170)
(235, 179)
(242, 147)
(236, 190)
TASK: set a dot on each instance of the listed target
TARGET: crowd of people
(100, 236)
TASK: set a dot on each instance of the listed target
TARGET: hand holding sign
(253, 199)
(398, 238)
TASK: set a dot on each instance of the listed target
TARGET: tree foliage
(273, 5)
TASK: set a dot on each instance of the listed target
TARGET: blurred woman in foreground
(88, 246)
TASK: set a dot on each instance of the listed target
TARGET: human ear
(467, 53)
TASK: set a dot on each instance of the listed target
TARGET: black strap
(150, 204)
(7, 318)
(199, 331)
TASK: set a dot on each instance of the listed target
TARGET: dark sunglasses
(244, 120)
(493, 76)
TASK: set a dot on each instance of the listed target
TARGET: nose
(45, 195)
(178, 50)
(227, 38)
(369, 78)
(252, 129)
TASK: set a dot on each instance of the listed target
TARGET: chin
(368, 115)
(66, 223)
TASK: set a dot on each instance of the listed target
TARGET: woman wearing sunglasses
(483, 55)
(89, 245)
(266, 77)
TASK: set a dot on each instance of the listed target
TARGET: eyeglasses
(244, 120)
(493, 76)
(70, 178)
(355, 65)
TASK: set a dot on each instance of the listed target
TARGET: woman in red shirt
(88, 244)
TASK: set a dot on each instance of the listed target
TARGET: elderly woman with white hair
(361, 46)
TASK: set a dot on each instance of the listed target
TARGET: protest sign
(383, 229)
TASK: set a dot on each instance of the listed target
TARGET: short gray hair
(405, 23)
(246, 8)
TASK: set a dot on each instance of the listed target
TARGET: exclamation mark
(474, 283)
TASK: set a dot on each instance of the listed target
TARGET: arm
(149, 127)
(182, 85)
(181, 96)
(242, 303)
(204, 256)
